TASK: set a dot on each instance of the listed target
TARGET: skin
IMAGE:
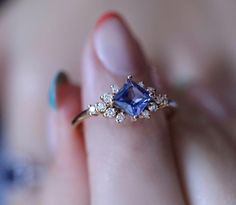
(188, 159)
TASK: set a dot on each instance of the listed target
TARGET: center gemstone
(132, 98)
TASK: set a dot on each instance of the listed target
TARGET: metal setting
(143, 101)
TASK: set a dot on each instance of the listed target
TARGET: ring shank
(80, 117)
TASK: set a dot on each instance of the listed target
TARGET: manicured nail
(60, 79)
(116, 47)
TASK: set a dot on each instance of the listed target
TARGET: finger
(198, 77)
(32, 62)
(191, 75)
(203, 80)
(61, 171)
(130, 163)
(67, 181)
(204, 146)
(206, 158)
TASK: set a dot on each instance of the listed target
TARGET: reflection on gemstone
(132, 98)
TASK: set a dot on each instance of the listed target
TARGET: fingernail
(60, 79)
(116, 47)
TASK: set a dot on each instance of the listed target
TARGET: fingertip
(116, 47)
(64, 95)
(59, 79)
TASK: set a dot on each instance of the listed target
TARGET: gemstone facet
(141, 84)
(132, 98)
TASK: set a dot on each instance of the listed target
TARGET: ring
(132, 100)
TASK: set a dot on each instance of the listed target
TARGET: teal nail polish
(60, 78)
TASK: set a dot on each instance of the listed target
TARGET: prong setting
(115, 89)
(120, 117)
(141, 84)
(130, 77)
(134, 118)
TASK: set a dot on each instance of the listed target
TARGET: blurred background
(191, 42)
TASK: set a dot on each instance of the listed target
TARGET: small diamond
(107, 98)
(146, 114)
(151, 90)
(92, 110)
(162, 100)
(115, 89)
(152, 107)
(101, 107)
(141, 84)
(110, 113)
(120, 117)
(159, 99)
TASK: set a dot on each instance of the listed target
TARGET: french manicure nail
(116, 47)
(60, 79)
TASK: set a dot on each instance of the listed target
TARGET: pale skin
(188, 159)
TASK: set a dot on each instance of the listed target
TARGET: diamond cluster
(133, 100)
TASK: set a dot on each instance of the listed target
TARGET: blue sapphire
(132, 98)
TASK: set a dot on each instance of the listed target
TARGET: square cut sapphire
(132, 98)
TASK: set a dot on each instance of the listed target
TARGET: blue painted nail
(59, 79)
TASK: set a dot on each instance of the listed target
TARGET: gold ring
(132, 100)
